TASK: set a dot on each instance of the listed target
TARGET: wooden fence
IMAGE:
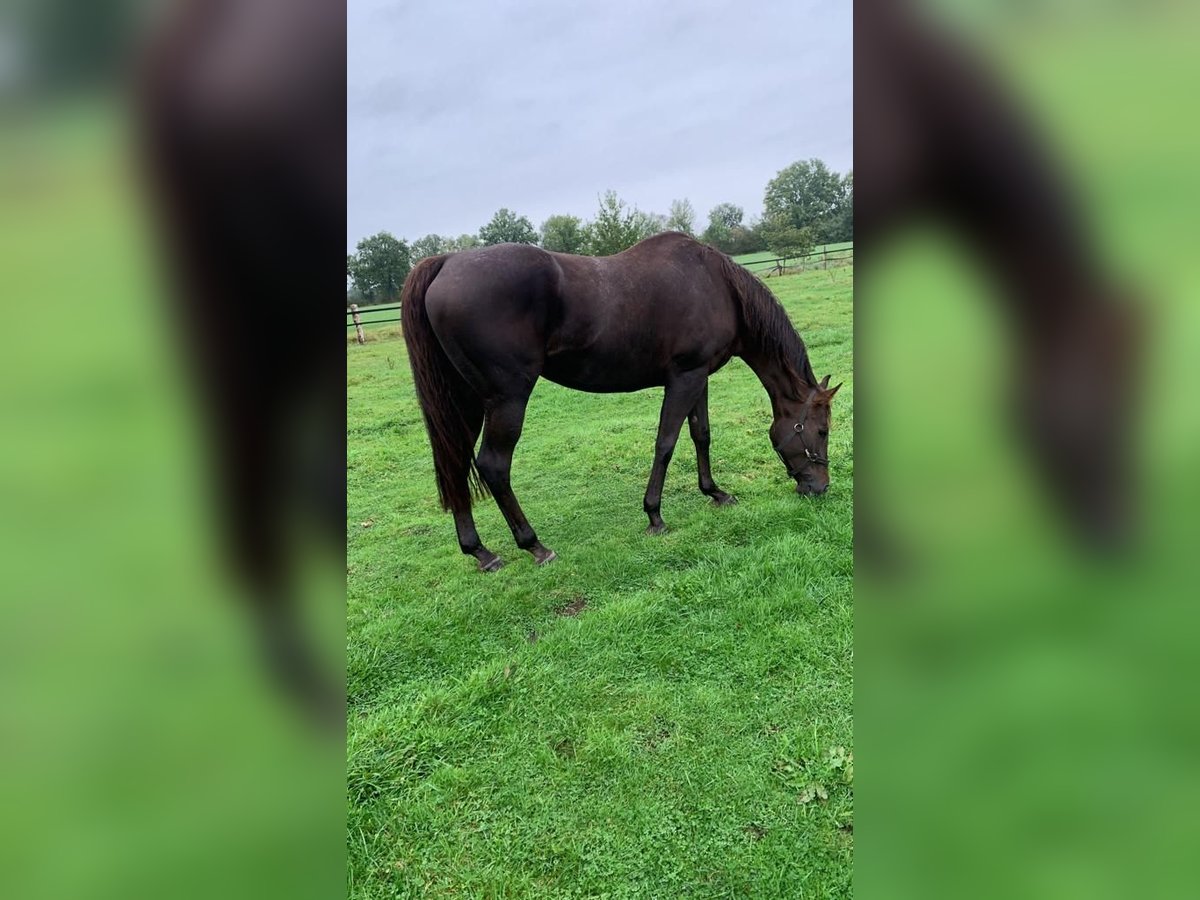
(817, 259)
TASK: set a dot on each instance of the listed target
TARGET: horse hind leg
(468, 540)
(501, 432)
(464, 521)
(701, 437)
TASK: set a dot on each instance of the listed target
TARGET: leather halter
(810, 458)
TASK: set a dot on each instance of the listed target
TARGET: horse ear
(825, 382)
(833, 390)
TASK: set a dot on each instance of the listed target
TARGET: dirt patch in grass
(661, 731)
(565, 748)
(845, 835)
(574, 608)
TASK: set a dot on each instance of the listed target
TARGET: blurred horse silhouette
(241, 111)
(940, 137)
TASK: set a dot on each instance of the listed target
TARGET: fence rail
(814, 259)
(777, 266)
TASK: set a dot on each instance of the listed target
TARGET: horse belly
(600, 373)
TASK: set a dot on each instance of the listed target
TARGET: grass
(1008, 680)
(645, 717)
(139, 729)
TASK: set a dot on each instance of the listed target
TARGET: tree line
(805, 204)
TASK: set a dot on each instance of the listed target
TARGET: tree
(353, 294)
(430, 245)
(725, 215)
(808, 195)
(649, 224)
(378, 267)
(722, 220)
(507, 227)
(462, 242)
(784, 239)
(841, 223)
(746, 239)
(682, 217)
(564, 234)
(614, 229)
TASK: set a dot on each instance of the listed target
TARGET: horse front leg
(501, 431)
(698, 426)
(679, 398)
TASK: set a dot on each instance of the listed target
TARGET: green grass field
(647, 716)
(1006, 681)
(139, 727)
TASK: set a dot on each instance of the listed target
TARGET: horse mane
(766, 322)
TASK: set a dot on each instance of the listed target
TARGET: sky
(460, 107)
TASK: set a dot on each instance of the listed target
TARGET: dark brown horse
(949, 142)
(241, 115)
(483, 325)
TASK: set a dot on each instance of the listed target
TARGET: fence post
(357, 323)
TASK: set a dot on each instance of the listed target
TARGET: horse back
(601, 324)
(632, 320)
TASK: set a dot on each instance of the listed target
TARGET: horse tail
(442, 393)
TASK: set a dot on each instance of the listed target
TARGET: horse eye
(824, 432)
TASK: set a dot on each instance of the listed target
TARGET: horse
(483, 325)
(239, 111)
(949, 142)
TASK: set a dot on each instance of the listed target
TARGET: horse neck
(784, 386)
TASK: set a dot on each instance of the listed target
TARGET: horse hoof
(493, 565)
(548, 558)
(725, 500)
(657, 529)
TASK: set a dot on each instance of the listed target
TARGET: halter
(810, 458)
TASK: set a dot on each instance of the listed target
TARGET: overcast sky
(460, 107)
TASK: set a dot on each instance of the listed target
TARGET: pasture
(645, 717)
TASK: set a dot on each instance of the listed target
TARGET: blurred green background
(1022, 713)
(142, 752)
